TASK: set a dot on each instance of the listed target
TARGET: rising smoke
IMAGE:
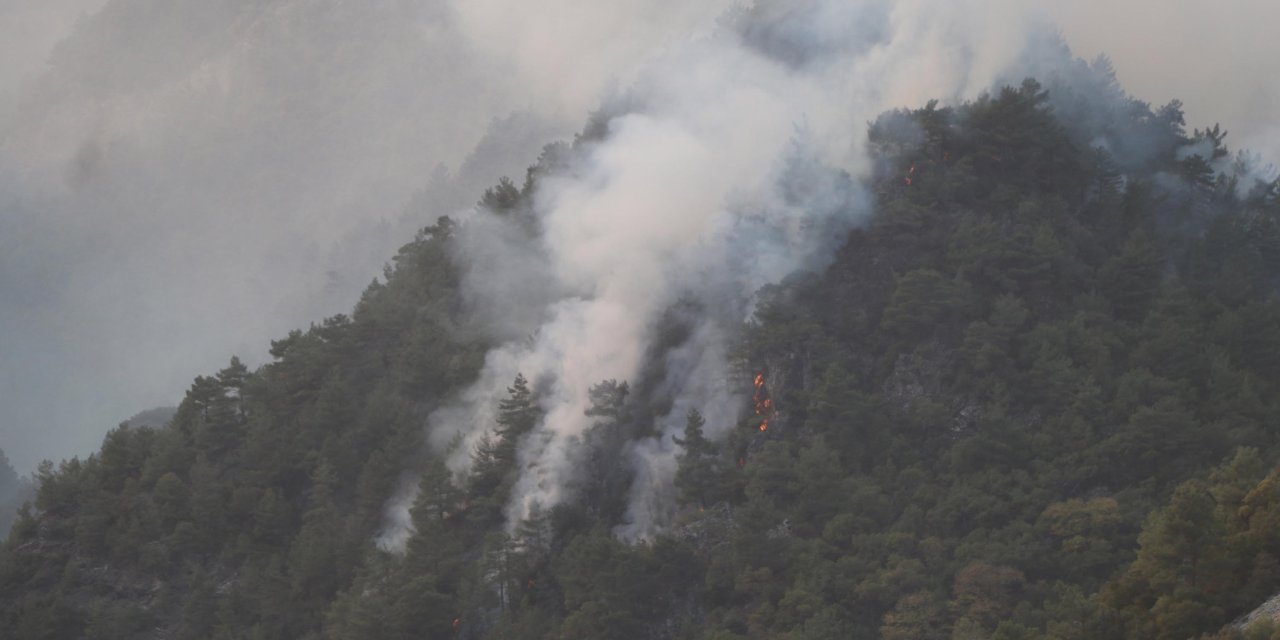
(181, 180)
(731, 160)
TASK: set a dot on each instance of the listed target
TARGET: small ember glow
(910, 172)
(761, 403)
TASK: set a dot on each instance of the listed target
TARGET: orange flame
(456, 622)
(761, 402)
(910, 172)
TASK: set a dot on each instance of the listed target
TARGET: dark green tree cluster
(256, 505)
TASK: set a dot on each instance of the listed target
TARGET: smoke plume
(182, 180)
(732, 159)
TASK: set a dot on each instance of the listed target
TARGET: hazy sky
(183, 180)
(1220, 59)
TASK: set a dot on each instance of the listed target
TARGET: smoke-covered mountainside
(1015, 376)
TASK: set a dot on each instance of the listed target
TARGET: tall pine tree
(697, 473)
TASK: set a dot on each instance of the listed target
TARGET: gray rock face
(1269, 610)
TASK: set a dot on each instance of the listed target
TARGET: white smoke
(691, 194)
(698, 376)
(565, 52)
(183, 179)
(398, 527)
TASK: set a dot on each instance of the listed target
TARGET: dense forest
(1035, 396)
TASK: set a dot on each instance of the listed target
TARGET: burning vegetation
(761, 403)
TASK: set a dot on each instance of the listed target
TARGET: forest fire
(910, 172)
(761, 402)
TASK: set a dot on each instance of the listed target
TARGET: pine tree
(488, 484)
(697, 471)
(486, 468)
(518, 414)
(317, 565)
(606, 482)
(608, 400)
(438, 498)
(235, 375)
(503, 198)
(1131, 279)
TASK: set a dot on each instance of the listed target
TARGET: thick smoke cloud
(180, 181)
(729, 162)
(183, 181)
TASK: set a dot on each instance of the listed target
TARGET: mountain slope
(960, 428)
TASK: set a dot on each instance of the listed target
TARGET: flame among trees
(761, 403)
(702, 477)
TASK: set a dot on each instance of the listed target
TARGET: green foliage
(698, 476)
(1001, 412)
(262, 492)
(1207, 557)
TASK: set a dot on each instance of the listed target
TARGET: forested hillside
(1036, 395)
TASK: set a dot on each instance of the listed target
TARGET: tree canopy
(1035, 396)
